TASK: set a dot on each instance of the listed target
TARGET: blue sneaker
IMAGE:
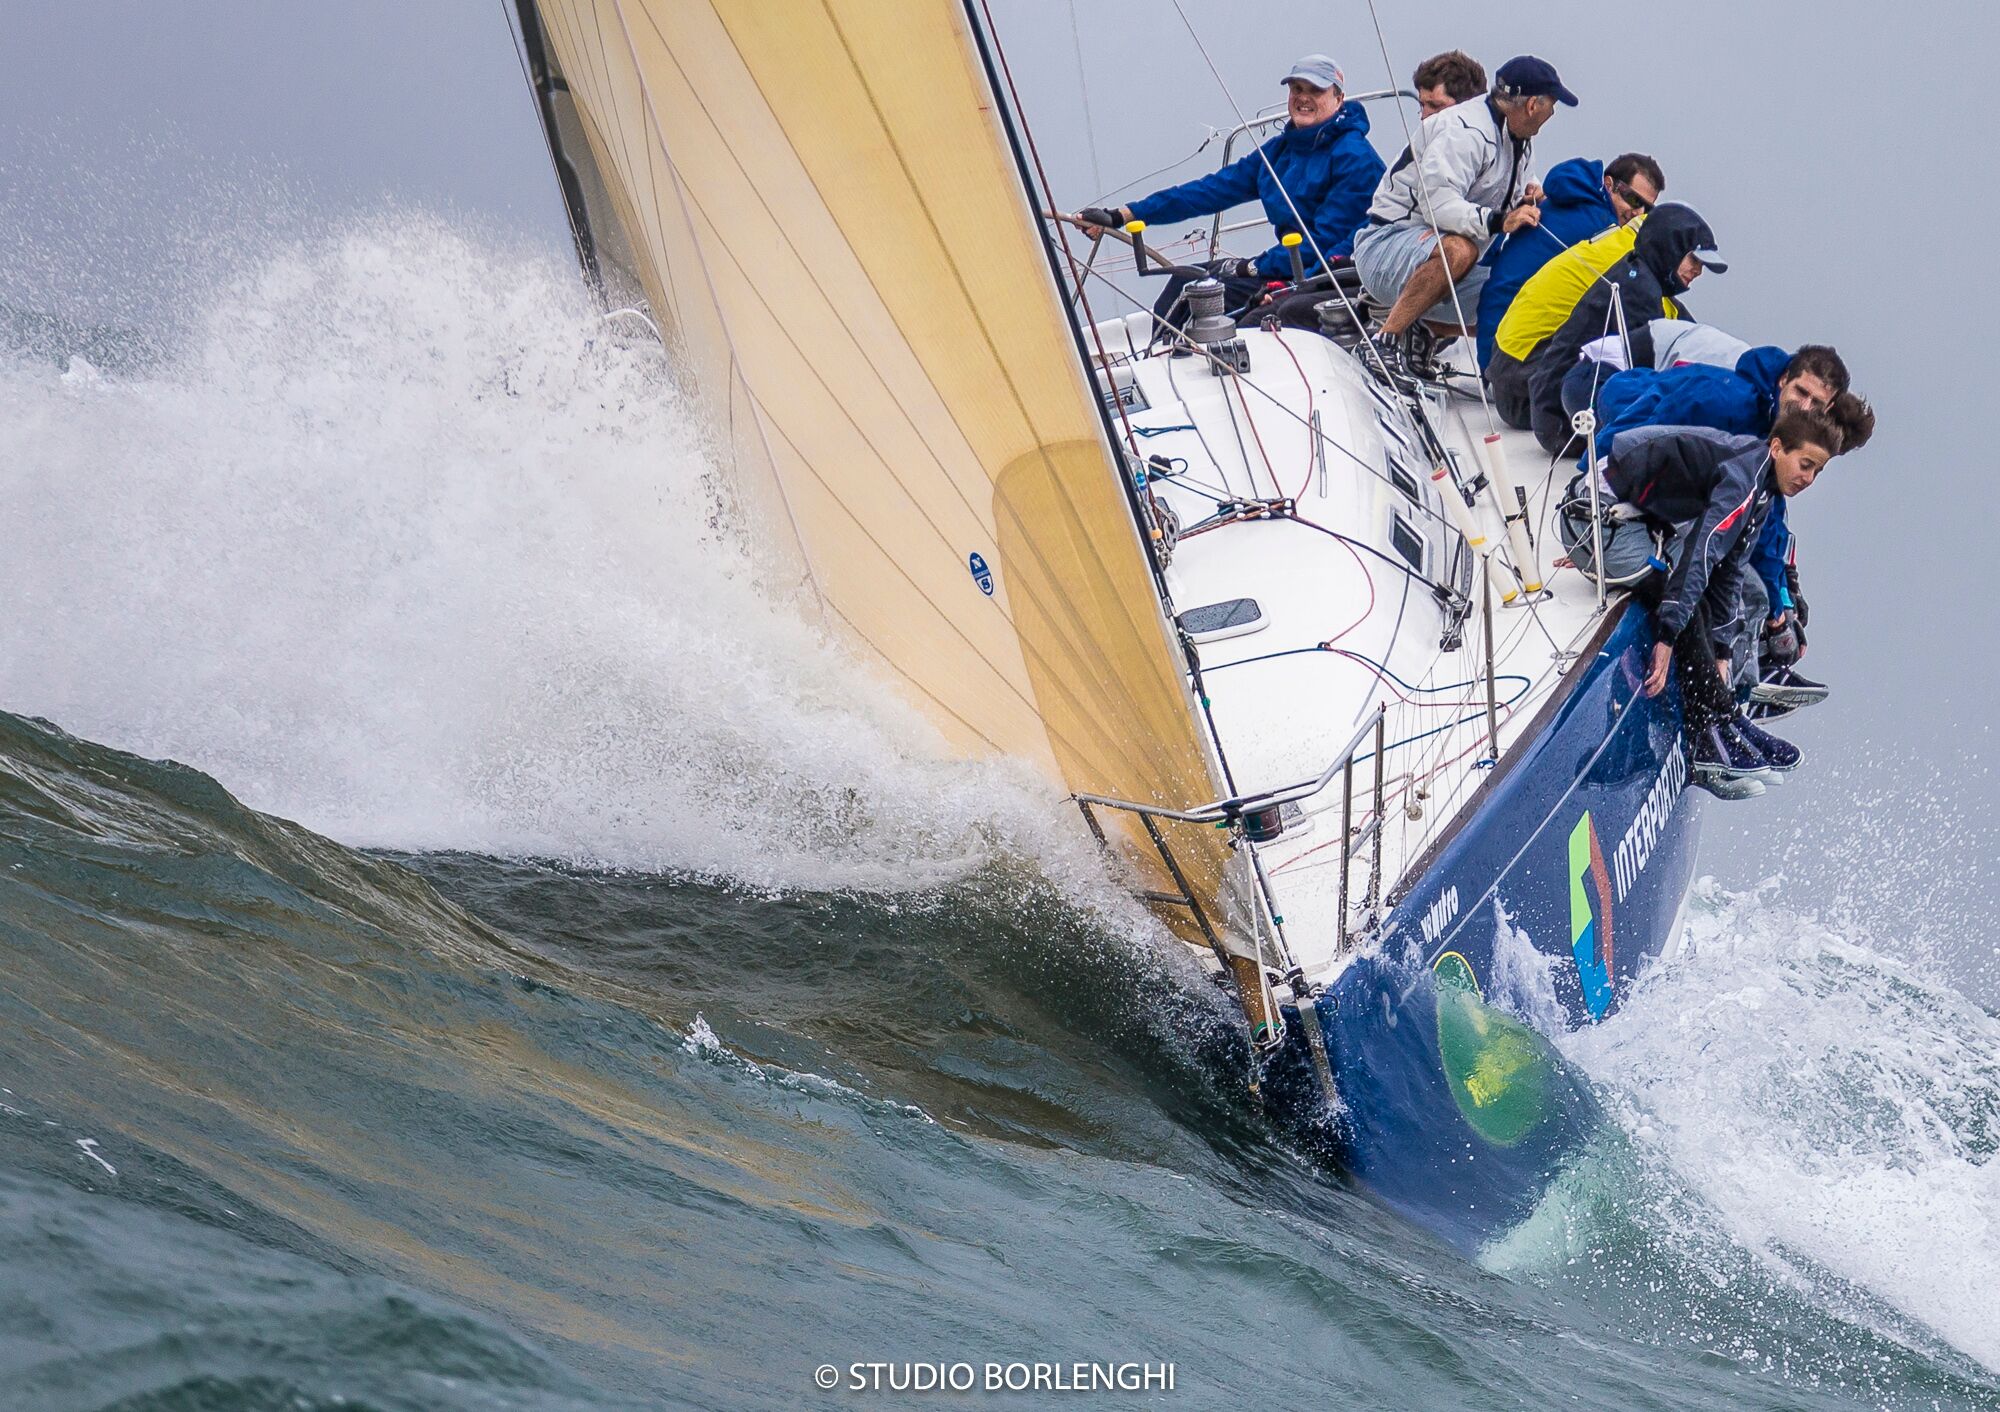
(1729, 767)
(1779, 754)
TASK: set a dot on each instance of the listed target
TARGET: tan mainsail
(835, 239)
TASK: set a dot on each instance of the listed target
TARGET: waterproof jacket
(1742, 400)
(1574, 207)
(1545, 301)
(1470, 167)
(1646, 283)
(1721, 486)
(1329, 169)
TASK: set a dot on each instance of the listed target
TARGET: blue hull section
(1564, 877)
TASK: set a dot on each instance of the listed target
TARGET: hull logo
(1590, 928)
(1635, 850)
(1439, 915)
(981, 575)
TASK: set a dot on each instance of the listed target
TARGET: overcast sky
(1840, 150)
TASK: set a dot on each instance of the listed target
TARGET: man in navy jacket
(1579, 199)
(1321, 164)
(1746, 399)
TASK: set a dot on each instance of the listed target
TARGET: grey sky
(1836, 148)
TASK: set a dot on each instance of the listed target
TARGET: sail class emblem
(981, 575)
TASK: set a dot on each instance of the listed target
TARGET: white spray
(408, 546)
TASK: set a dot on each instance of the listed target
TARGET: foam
(1833, 1104)
(407, 545)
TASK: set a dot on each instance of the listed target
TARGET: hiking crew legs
(1507, 380)
(1706, 699)
(1629, 547)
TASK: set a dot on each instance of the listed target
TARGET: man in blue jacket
(1579, 199)
(1320, 164)
(1745, 400)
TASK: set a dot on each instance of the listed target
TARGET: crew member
(1672, 250)
(1320, 166)
(1433, 217)
(1720, 487)
(1582, 199)
(1445, 80)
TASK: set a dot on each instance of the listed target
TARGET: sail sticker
(981, 575)
(1590, 931)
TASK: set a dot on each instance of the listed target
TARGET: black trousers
(1706, 699)
(1507, 381)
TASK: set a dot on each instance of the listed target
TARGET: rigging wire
(1083, 92)
(1236, 383)
(1312, 434)
(1200, 148)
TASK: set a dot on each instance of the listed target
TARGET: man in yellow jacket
(1542, 306)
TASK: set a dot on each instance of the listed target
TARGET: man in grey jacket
(1433, 217)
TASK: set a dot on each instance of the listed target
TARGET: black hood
(1669, 233)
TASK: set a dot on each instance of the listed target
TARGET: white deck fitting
(1282, 720)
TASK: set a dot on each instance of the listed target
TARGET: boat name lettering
(1439, 914)
(1635, 850)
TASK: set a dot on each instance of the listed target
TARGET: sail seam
(715, 300)
(805, 267)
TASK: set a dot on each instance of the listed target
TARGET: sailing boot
(1382, 354)
(1780, 755)
(1420, 348)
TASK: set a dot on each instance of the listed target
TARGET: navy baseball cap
(1529, 77)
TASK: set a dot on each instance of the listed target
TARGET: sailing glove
(1781, 644)
(1101, 216)
(1230, 267)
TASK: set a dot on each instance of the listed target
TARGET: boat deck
(1349, 618)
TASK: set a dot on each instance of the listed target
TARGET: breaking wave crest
(407, 544)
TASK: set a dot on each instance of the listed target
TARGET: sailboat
(1290, 636)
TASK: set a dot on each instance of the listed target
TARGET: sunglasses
(1631, 198)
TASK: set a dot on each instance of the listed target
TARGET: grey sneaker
(1785, 688)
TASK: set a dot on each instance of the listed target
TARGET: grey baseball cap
(1712, 259)
(1319, 71)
